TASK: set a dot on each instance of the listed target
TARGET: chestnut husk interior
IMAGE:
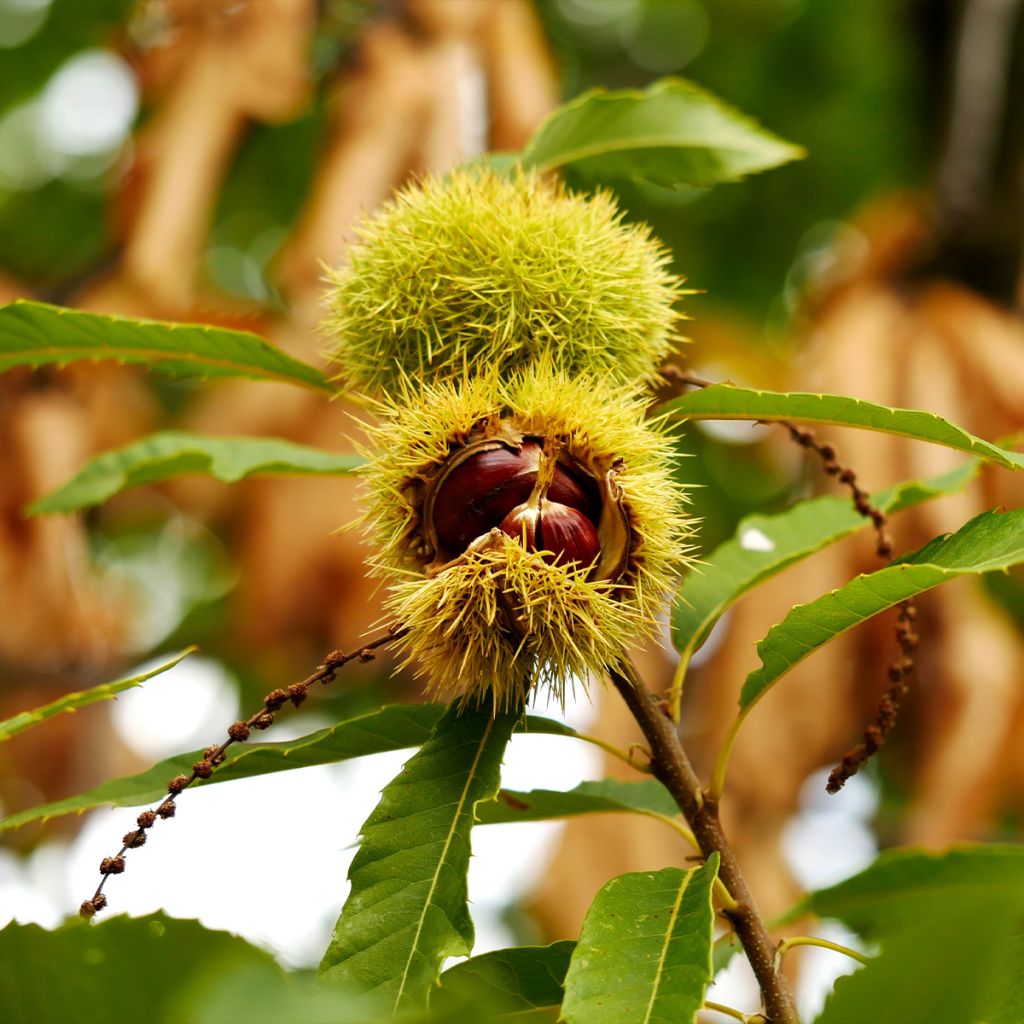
(497, 487)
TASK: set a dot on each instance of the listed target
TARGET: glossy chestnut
(563, 532)
(482, 490)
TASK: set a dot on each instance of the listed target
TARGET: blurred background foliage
(854, 102)
(859, 109)
(843, 80)
(776, 262)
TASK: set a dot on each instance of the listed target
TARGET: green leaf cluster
(989, 542)
(173, 453)
(764, 546)
(37, 334)
(672, 134)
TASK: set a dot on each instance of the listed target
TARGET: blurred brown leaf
(930, 345)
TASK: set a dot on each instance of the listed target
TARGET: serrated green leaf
(954, 916)
(990, 541)
(515, 985)
(82, 698)
(38, 334)
(607, 795)
(644, 954)
(674, 133)
(394, 727)
(175, 453)
(724, 402)
(408, 906)
(764, 546)
(121, 969)
(940, 970)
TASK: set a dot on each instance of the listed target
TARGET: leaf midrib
(965, 441)
(640, 142)
(762, 679)
(673, 916)
(74, 353)
(470, 776)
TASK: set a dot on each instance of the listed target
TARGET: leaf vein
(664, 948)
(470, 776)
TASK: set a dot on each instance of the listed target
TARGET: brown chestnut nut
(568, 534)
(523, 524)
(479, 493)
(565, 533)
(575, 490)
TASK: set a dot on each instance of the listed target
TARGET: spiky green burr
(498, 617)
(477, 273)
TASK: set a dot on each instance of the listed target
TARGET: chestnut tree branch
(672, 768)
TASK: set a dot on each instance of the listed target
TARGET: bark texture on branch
(671, 767)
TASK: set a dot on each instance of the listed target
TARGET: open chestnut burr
(529, 528)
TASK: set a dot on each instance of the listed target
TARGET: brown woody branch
(671, 766)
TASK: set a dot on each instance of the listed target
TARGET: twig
(901, 668)
(627, 757)
(812, 940)
(861, 499)
(215, 756)
(720, 890)
(731, 1011)
(906, 637)
(672, 768)
(889, 708)
(677, 380)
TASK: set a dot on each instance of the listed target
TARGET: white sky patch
(820, 968)
(753, 539)
(735, 986)
(88, 106)
(188, 707)
(508, 860)
(737, 432)
(265, 858)
(22, 898)
(268, 858)
(824, 847)
(828, 840)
